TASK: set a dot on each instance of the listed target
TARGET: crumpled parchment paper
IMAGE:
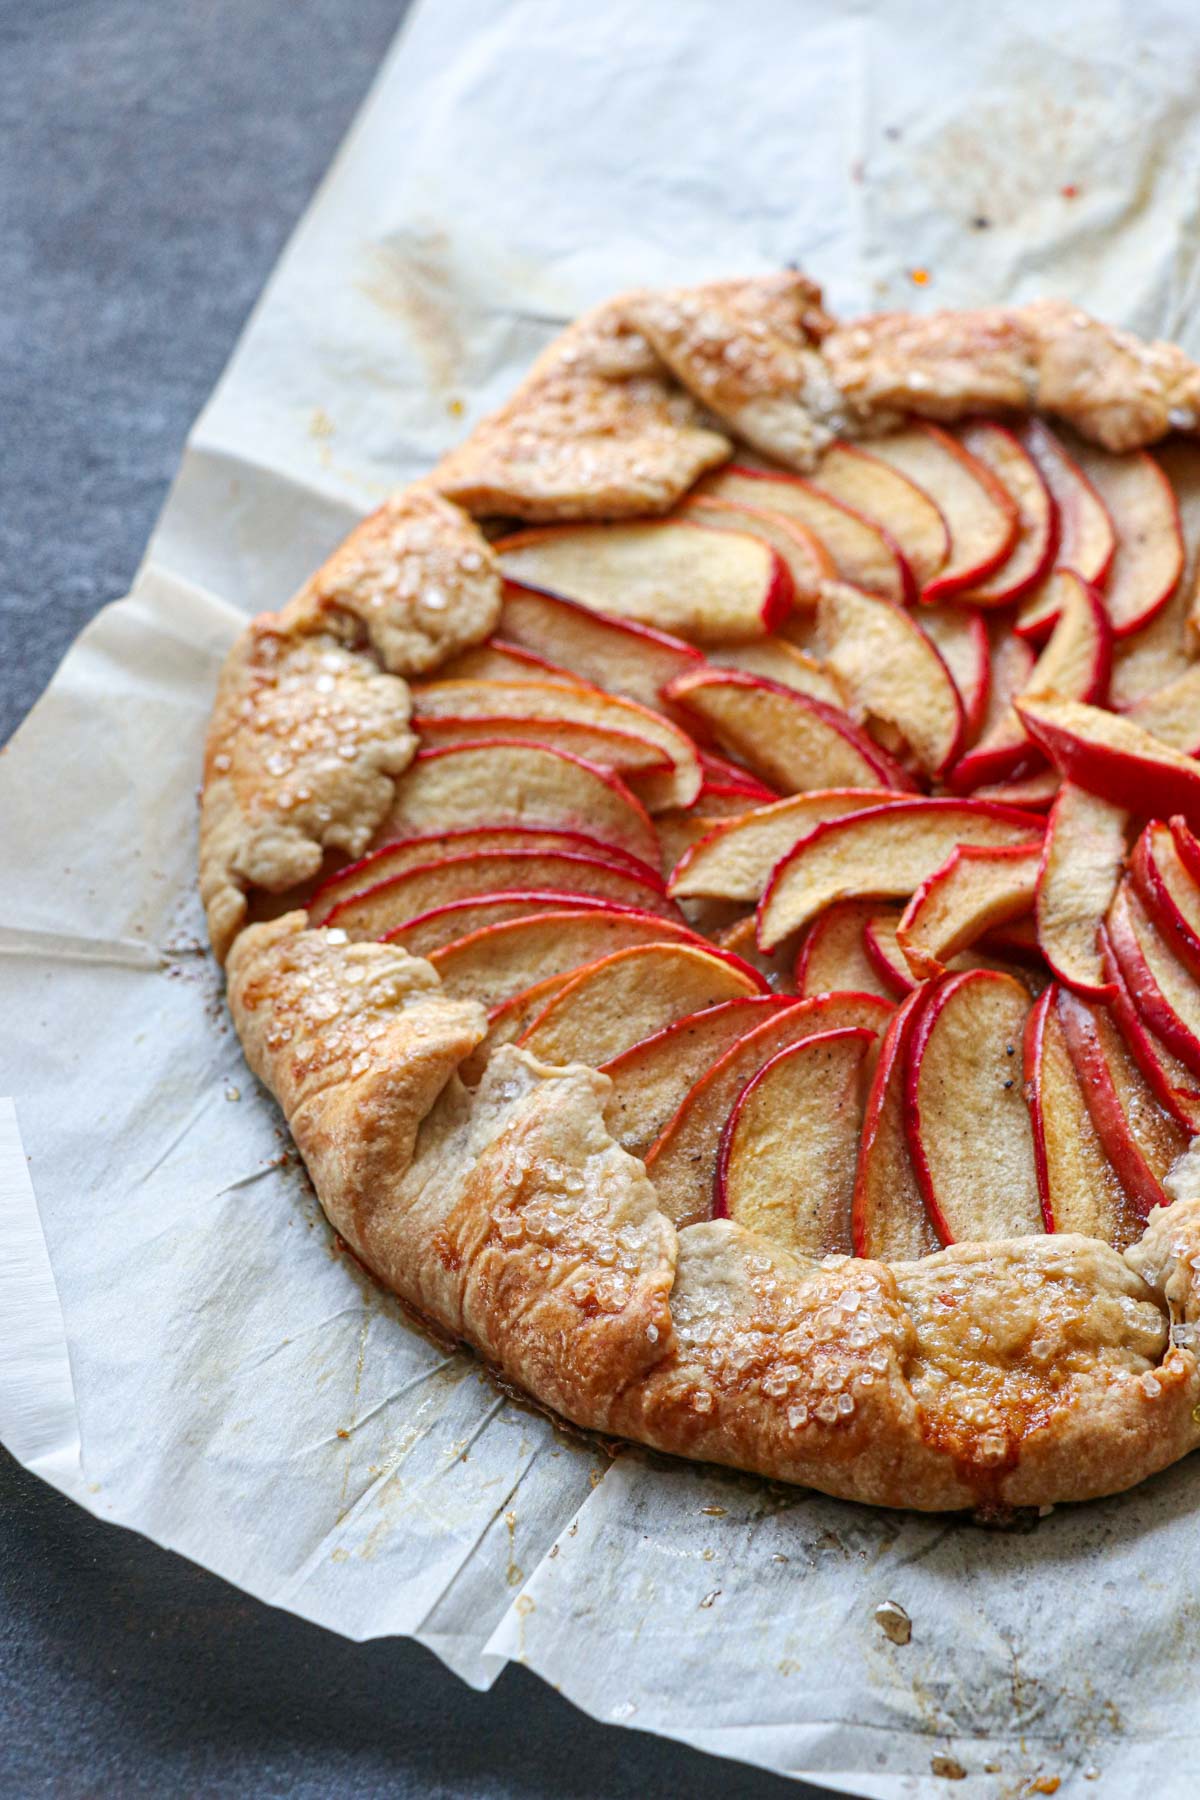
(183, 1351)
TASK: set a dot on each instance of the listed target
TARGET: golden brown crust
(998, 1374)
(416, 579)
(305, 742)
(596, 431)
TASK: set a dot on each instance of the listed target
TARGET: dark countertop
(155, 159)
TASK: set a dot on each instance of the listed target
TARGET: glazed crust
(989, 1374)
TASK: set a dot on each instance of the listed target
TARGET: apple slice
(651, 1080)
(1160, 986)
(980, 513)
(1140, 1141)
(787, 1156)
(861, 550)
(1168, 890)
(1174, 1087)
(502, 959)
(1111, 756)
(910, 516)
(1079, 1187)
(780, 662)
(1082, 859)
(406, 853)
(608, 1006)
(644, 741)
(966, 1110)
(833, 956)
(976, 888)
(959, 634)
(1149, 554)
(502, 781)
(1035, 792)
(710, 587)
(1162, 650)
(808, 561)
(884, 953)
(683, 1158)
(1075, 664)
(792, 741)
(889, 1219)
(1032, 554)
(1172, 713)
(442, 925)
(1087, 541)
(734, 861)
(892, 671)
(887, 852)
(393, 902)
(634, 661)
(495, 660)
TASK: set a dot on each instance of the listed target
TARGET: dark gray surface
(154, 159)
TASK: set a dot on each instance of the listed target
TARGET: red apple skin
(1144, 990)
(1149, 878)
(1067, 485)
(1104, 1104)
(1142, 1044)
(897, 981)
(847, 1033)
(1187, 845)
(1126, 780)
(892, 1049)
(996, 589)
(1035, 1028)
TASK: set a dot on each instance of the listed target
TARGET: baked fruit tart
(712, 878)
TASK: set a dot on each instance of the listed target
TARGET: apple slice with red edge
(621, 657)
(884, 953)
(609, 1005)
(788, 1153)
(496, 660)
(1082, 859)
(1087, 541)
(441, 925)
(892, 671)
(651, 1080)
(739, 937)
(1168, 890)
(808, 561)
(976, 888)
(861, 550)
(889, 1219)
(1035, 792)
(1075, 664)
(791, 741)
(886, 853)
(910, 516)
(969, 1133)
(1080, 1189)
(1174, 1087)
(1161, 651)
(959, 634)
(502, 959)
(1032, 553)
(778, 661)
(392, 902)
(1140, 1141)
(734, 862)
(980, 513)
(462, 840)
(833, 956)
(1149, 555)
(1160, 986)
(1111, 756)
(642, 741)
(682, 1160)
(502, 781)
(706, 586)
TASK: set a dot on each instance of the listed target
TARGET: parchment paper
(182, 1350)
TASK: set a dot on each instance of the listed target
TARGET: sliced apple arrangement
(850, 824)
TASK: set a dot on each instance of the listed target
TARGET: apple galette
(712, 878)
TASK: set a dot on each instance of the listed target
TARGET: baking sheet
(183, 1351)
